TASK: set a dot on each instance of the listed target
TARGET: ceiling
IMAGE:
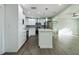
(42, 10)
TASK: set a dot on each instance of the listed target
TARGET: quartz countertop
(45, 30)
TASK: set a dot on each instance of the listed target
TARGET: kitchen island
(45, 38)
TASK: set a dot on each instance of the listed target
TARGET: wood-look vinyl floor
(31, 48)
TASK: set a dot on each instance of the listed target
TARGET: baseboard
(10, 53)
(22, 46)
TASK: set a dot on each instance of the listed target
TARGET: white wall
(2, 29)
(11, 22)
(67, 27)
(21, 27)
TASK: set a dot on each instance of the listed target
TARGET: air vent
(33, 8)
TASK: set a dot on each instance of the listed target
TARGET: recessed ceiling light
(33, 8)
(59, 4)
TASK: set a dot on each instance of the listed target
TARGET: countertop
(45, 30)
